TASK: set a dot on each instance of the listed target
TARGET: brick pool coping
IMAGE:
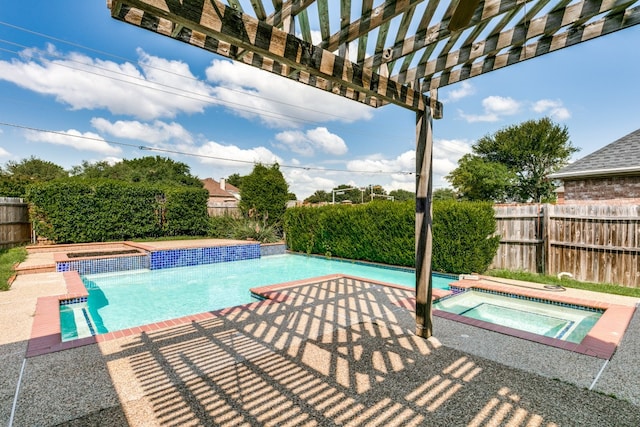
(46, 336)
(601, 342)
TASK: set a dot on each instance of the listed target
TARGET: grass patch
(8, 258)
(566, 282)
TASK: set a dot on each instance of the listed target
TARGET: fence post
(539, 236)
(546, 243)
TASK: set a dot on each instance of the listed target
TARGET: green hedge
(463, 240)
(385, 232)
(186, 212)
(74, 210)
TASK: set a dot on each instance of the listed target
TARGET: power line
(163, 70)
(184, 153)
(180, 92)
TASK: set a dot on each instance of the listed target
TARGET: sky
(77, 85)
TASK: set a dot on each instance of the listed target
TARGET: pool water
(570, 324)
(132, 298)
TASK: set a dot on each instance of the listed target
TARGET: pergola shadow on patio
(328, 352)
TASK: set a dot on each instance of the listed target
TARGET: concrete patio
(338, 351)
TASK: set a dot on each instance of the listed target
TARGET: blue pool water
(126, 299)
(565, 323)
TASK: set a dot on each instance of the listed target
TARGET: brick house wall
(619, 188)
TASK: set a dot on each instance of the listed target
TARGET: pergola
(419, 47)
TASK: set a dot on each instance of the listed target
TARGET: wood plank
(401, 34)
(305, 29)
(439, 31)
(323, 16)
(258, 8)
(364, 37)
(288, 10)
(377, 17)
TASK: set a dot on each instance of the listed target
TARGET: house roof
(213, 187)
(621, 157)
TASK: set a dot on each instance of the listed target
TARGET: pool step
(82, 326)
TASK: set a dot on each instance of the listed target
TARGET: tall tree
(264, 193)
(34, 170)
(529, 151)
(156, 170)
(318, 197)
(15, 177)
(401, 195)
(235, 179)
(478, 179)
(444, 194)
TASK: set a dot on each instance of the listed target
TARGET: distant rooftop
(220, 189)
(618, 158)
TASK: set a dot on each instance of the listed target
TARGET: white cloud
(446, 153)
(304, 183)
(156, 132)
(87, 141)
(82, 82)
(217, 154)
(501, 105)
(495, 107)
(465, 89)
(553, 108)
(306, 143)
(4, 153)
(276, 100)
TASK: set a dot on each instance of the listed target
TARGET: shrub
(82, 210)
(463, 240)
(228, 227)
(379, 231)
(385, 232)
(261, 232)
(185, 211)
(221, 227)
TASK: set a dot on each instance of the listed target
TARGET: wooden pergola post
(424, 187)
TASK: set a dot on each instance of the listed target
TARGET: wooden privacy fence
(15, 227)
(595, 243)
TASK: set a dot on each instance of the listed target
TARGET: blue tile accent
(104, 265)
(73, 301)
(162, 259)
(198, 256)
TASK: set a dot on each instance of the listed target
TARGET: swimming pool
(126, 299)
(564, 322)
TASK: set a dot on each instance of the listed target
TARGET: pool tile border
(154, 259)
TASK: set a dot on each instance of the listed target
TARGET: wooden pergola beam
(488, 10)
(213, 26)
(570, 37)
(369, 21)
(289, 10)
